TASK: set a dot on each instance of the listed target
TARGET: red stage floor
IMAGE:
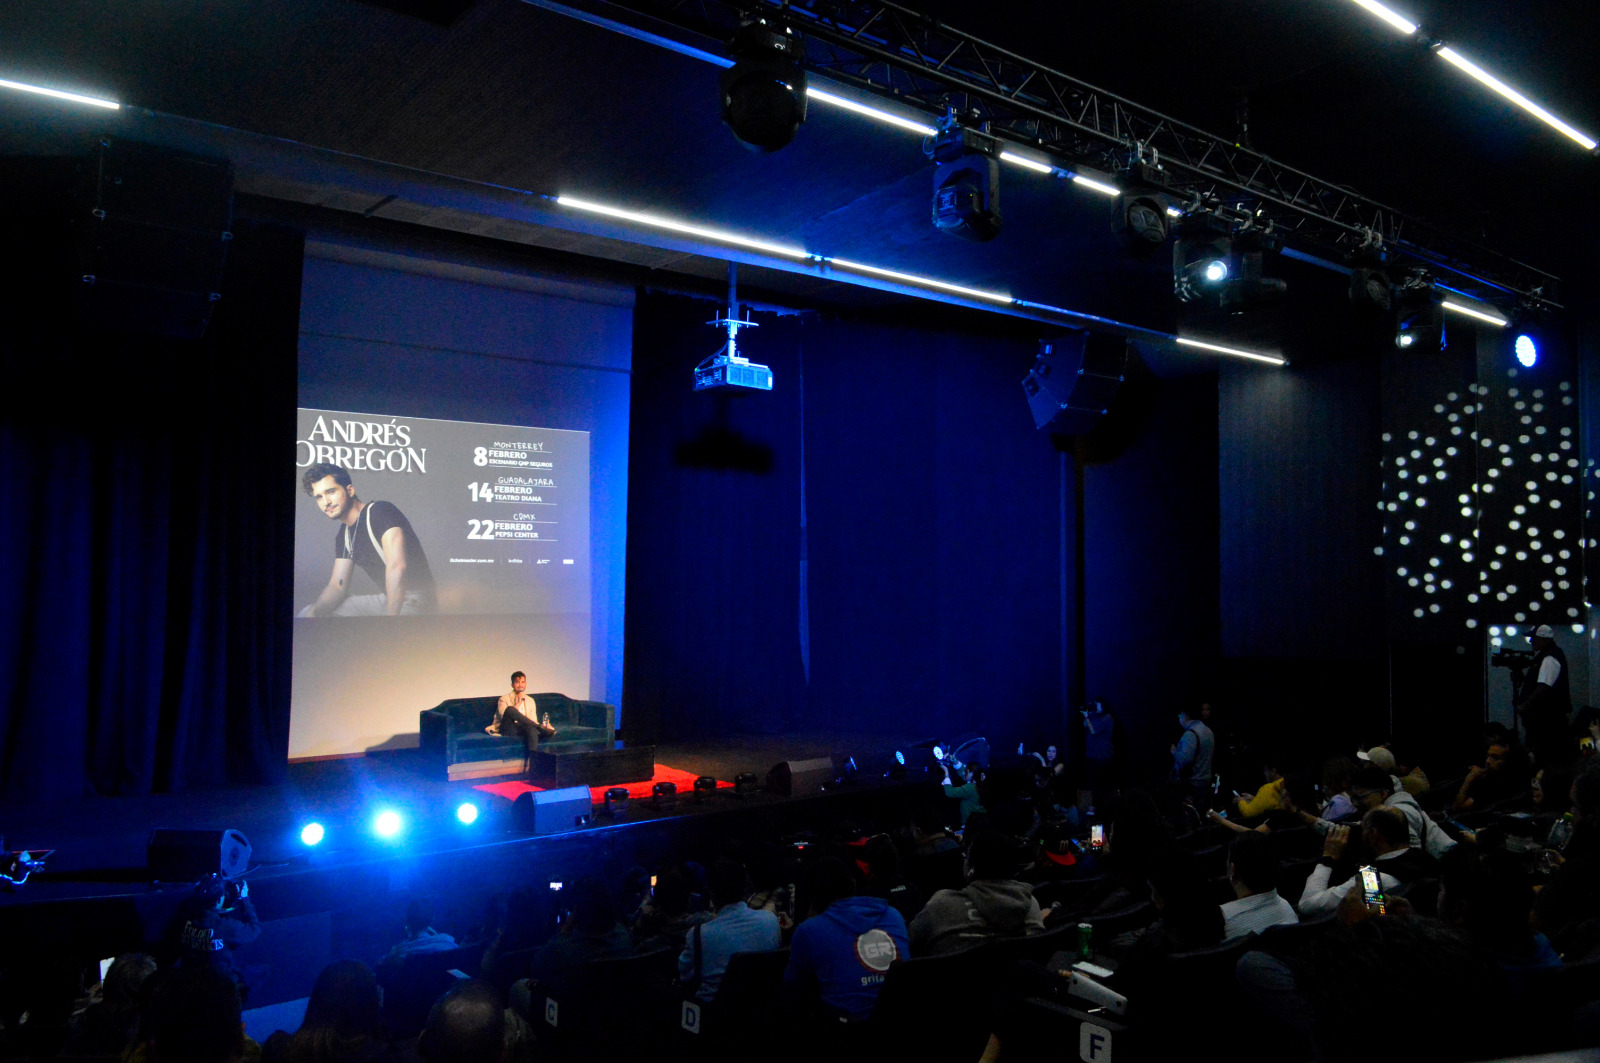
(512, 789)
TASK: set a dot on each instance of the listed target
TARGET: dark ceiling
(511, 94)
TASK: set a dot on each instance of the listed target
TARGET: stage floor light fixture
(312, 834)
(387, 823)
(764, 92)
(467, 813)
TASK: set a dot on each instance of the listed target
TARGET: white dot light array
(1480, 506)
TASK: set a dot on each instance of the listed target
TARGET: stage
(345, 896)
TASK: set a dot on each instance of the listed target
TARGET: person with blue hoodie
(839, 956)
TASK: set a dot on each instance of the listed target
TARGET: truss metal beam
(882, 48)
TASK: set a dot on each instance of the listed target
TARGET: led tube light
(1029, 164)
(59, 95)
(659, 222)
(886, 117)
(1456, 59)
(926, 282)
(1393, 18)
(1461, 308)
(1234, 351)
(1099, 186)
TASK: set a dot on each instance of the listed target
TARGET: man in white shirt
(1253, 872)
(516, 715)
(1387, 836)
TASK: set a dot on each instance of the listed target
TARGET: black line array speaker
(150, 233)
(185, 855)
(1074, 380)
(553, 811)
(800, 778)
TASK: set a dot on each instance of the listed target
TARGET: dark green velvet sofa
(454, 740)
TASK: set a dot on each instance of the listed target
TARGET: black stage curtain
(873, 546)
(146, 536)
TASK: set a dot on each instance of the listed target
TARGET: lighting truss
(882, 48)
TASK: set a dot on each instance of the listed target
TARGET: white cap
(1543, 631)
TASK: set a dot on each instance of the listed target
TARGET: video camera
(1516, 660)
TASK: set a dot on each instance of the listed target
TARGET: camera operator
(213, 921)
(1544, 701)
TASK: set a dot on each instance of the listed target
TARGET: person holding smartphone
(1386, 836)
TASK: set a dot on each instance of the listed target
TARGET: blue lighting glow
(1216, 270)
(1527, 351)
(387, 823)
(467, 812)
(312, 834)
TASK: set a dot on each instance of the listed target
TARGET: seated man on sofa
(516, 715)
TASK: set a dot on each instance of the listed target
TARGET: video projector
(731, 371)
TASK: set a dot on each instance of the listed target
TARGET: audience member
(1502, 776)
(841, 952)
(524, 924)
(1253, 874)
(1388, 986)
(1386, 837)
(992, 904)
(886, 880)
(420, 937)
(1338, 772)
(342, 1023)
(1099, 753)
(193, 1016)
(961, 786)
(1374, 787)
(1188, 918)
(1137, 841)
(1191, 756)
(1487, 896)
(590, 932)
(466, 1025)
(214, 920)
(736, 927)
(110, 1017)
(1269, 798)
(928, 833)
(1572, 895)
(664, 919)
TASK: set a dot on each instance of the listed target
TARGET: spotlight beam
(1481, 315)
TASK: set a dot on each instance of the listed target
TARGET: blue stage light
(312, 834)
(1527, 351)
(1216, 270)
(387, 823)
(467, 812)
(899, 758)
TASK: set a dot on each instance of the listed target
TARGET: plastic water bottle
(1560, 833)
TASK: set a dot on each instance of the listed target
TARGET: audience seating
(935, 1007)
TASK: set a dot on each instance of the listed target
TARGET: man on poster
(376, 537)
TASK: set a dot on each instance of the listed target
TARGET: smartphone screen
(1372, 889)
(1097, 836)
(652, 883)
(105, 965)
(555, 887)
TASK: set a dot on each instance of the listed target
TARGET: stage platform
(345, 897)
